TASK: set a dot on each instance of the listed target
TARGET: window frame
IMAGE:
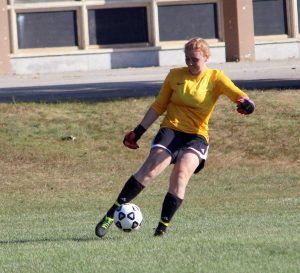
(178, 43)
(81, 7)
(292, 27)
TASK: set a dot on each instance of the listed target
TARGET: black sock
(130, 190)
(170, 205)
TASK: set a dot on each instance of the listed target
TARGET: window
(47, 29)
(118, 26)
(181, 22)
(298, 7)
(40, 1)
(269, 17)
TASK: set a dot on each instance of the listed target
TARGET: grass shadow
(95, 92)
(47, 240)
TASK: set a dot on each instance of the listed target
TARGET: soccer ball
(128, 217)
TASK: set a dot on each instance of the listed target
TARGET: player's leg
(130, 190)
(155, 163)
(183, 169)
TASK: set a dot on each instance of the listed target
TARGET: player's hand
(130, 140)
(245, 106)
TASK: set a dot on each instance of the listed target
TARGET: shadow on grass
(94, 92)
(268, 84)
(47, 240)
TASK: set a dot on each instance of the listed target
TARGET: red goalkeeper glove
(131, 138)
(245, 106)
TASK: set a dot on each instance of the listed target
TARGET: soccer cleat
(160, 230)
(103, 226)
(159, 233)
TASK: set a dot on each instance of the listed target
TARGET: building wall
(48, 36)
(5, 67)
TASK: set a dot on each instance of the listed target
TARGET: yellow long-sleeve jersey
(190, 100)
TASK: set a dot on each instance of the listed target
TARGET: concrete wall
(277, 51)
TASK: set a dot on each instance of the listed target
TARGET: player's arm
(157, 108)
(245, 106)
(131, 138)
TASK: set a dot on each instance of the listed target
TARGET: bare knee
(147, 172)
(181, 175)
(178, 182)
(156, 162)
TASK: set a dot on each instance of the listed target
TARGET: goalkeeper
(187, 98)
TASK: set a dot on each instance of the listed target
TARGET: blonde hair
(198, 44)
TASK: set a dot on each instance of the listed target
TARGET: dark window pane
(182, 22)
(269, 17)
(47, 29)
(118, 26)
(298, 5)
(41, 1)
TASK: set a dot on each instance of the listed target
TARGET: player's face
(195, 61)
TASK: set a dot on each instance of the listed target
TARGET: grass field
(241, 214)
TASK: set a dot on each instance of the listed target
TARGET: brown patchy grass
(270, 136)
(35, 160)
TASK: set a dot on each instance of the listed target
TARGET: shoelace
(107, 222)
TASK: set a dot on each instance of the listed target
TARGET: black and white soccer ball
(128, 217)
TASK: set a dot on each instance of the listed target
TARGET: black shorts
(175, 142)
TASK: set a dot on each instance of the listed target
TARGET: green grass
(241, 214)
